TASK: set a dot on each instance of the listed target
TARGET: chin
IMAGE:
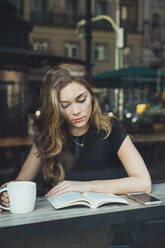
(80, 125)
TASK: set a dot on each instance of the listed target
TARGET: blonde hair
(51, 129)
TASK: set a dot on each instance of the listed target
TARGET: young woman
(72, 135)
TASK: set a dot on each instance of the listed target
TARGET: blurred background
(120, 42)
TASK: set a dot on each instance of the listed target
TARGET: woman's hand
(68, 186)
(4, 200)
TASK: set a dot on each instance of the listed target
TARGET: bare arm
(138, 177)
(30, 167)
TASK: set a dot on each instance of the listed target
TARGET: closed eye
(81, 100)
(64, 106)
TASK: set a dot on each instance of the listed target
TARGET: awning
(137, 77)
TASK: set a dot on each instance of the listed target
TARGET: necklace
(82, 142)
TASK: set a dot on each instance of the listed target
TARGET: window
(100, 52)
(129, 16)
(102, 8)
(41, 5)
(72, 7)
(128, 56)
(128, 11)
(19, 6)
(72, 50)
(40, 45)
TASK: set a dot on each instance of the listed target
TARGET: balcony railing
(71, 20)
(51, 19)
(129, 25)
(64, 20)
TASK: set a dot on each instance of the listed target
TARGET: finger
(5, 204)
(60, 190)
(58, 186)
(5, 194)
(3, 186)
(5, 200)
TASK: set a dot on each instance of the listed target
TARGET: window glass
(101, 8)
(40, 45)
(100, 52)
(72, 50)
(72, 6)
(41, 5)
(128, 56)
(128, 12)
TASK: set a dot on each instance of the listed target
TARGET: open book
(89, 199)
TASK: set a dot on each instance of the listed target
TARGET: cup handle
(1, 190)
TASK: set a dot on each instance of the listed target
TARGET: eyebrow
(76, 97)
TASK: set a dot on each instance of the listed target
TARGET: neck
(78, 131)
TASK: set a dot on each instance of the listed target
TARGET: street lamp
(119, 94)
(119, 36)
(118, 49)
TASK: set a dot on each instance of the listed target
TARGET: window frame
(105, 45)
(71, 45)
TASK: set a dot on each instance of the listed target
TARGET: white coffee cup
(22, 196)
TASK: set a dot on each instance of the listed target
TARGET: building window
(40, 45)
(41, 5)
(100, 52)
(72, 50)
(129, 15)
(128, 56)
(102, 8)
(72, 7)
(19, 6)
(41, 11)
(128, 12)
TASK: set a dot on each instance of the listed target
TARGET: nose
(76, 109)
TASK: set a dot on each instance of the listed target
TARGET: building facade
(153, 48)
(55, 29)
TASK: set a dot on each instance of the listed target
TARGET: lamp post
(119, 44)
(88, 36)
(119, 94)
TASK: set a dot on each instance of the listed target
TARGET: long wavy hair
(52, 134)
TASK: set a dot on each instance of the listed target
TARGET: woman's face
(76, 106)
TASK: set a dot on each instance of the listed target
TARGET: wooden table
(45, 219)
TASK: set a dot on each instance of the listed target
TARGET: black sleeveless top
(97, 159)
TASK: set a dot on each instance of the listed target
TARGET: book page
(68, 199)
(98, 199)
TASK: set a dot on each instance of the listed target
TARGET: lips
(78, 119)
